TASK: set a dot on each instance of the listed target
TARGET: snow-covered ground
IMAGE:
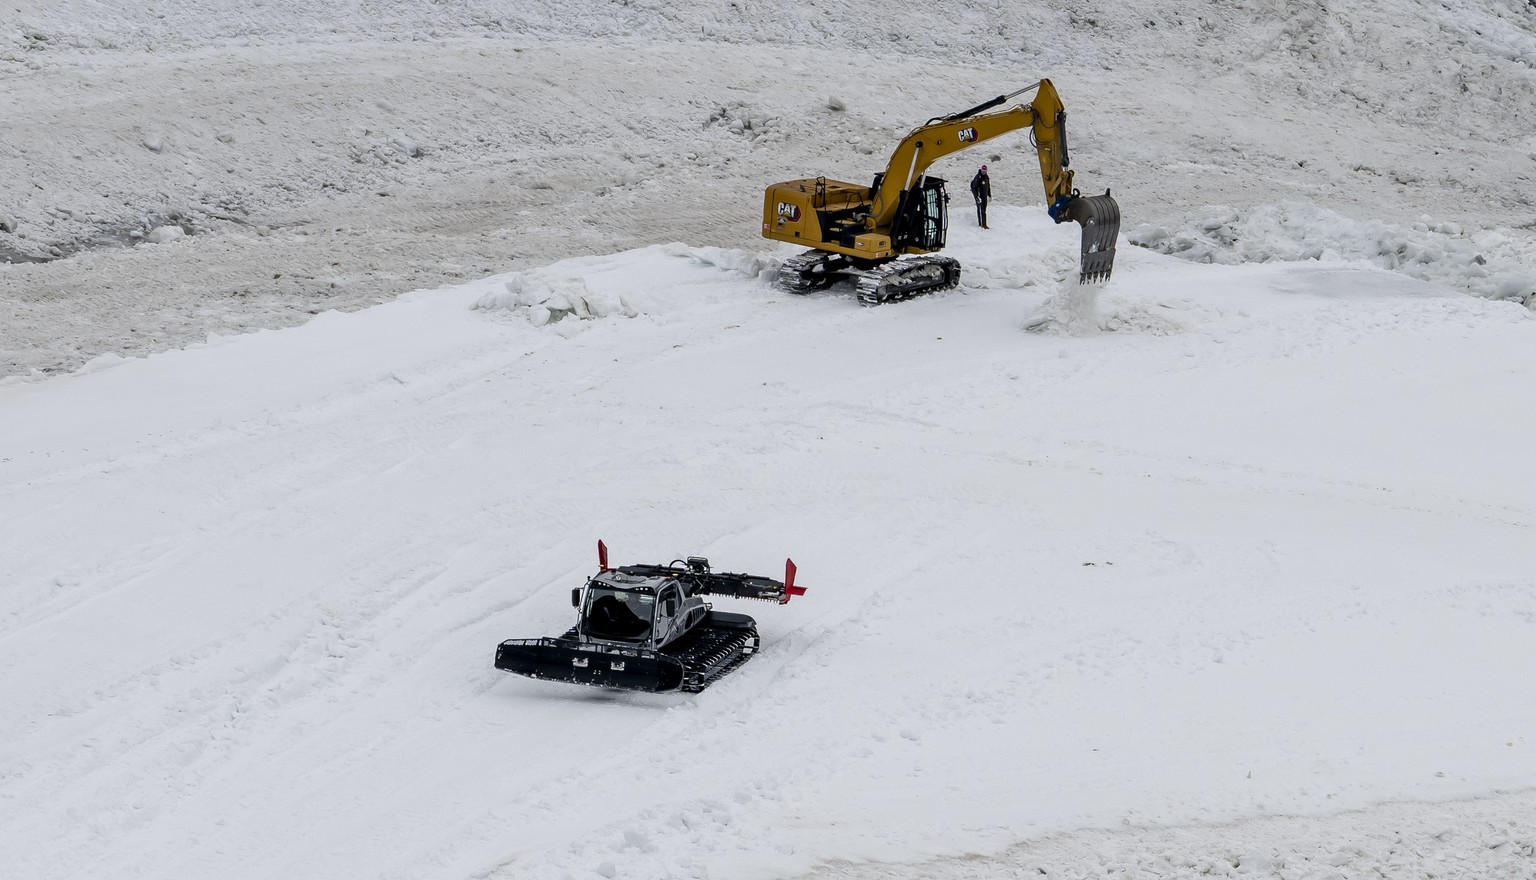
(1225, 568)
(1252, 550)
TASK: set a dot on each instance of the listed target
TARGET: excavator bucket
(1100, 219)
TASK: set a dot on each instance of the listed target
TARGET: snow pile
(1072, 311)
(104, 361)
(549, 294)
(1486, 264)
(1083, 309)
(738, 117)
(1018, 272)
(164, 234)
(743, 264)
(653, 280)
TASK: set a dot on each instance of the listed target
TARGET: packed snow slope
(323, 156)
(1217, 542)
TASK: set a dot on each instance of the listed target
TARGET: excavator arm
(1047, 121)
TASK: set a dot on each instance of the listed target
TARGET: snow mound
(105, 361)
(1486, 264)
(1022, 272)
(1071, 311)
(652, 280)
(164, 234)
(548, 294)
(746, 264)
(740, 118)
(1081, 310)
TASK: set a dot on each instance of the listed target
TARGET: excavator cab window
(922, 222)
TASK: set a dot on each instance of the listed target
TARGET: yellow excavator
(885, 236)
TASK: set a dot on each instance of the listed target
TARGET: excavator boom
(1047, 120)
(940, 137)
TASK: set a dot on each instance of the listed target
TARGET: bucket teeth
(1100, 219)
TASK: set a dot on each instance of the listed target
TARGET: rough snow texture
(1487, 263)
(600, 287)
(1483, 839)
(336, 155)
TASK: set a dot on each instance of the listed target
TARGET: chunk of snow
(545, 298)
(406, 145)
(164, 234)
(103, 362)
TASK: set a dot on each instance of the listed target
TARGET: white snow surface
(1253, 551)
(1225, 568)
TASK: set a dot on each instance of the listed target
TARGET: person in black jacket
(981, 189)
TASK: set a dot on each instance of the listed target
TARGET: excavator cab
(923, 219)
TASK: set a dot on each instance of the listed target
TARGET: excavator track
(812, 270)
(907, 277)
